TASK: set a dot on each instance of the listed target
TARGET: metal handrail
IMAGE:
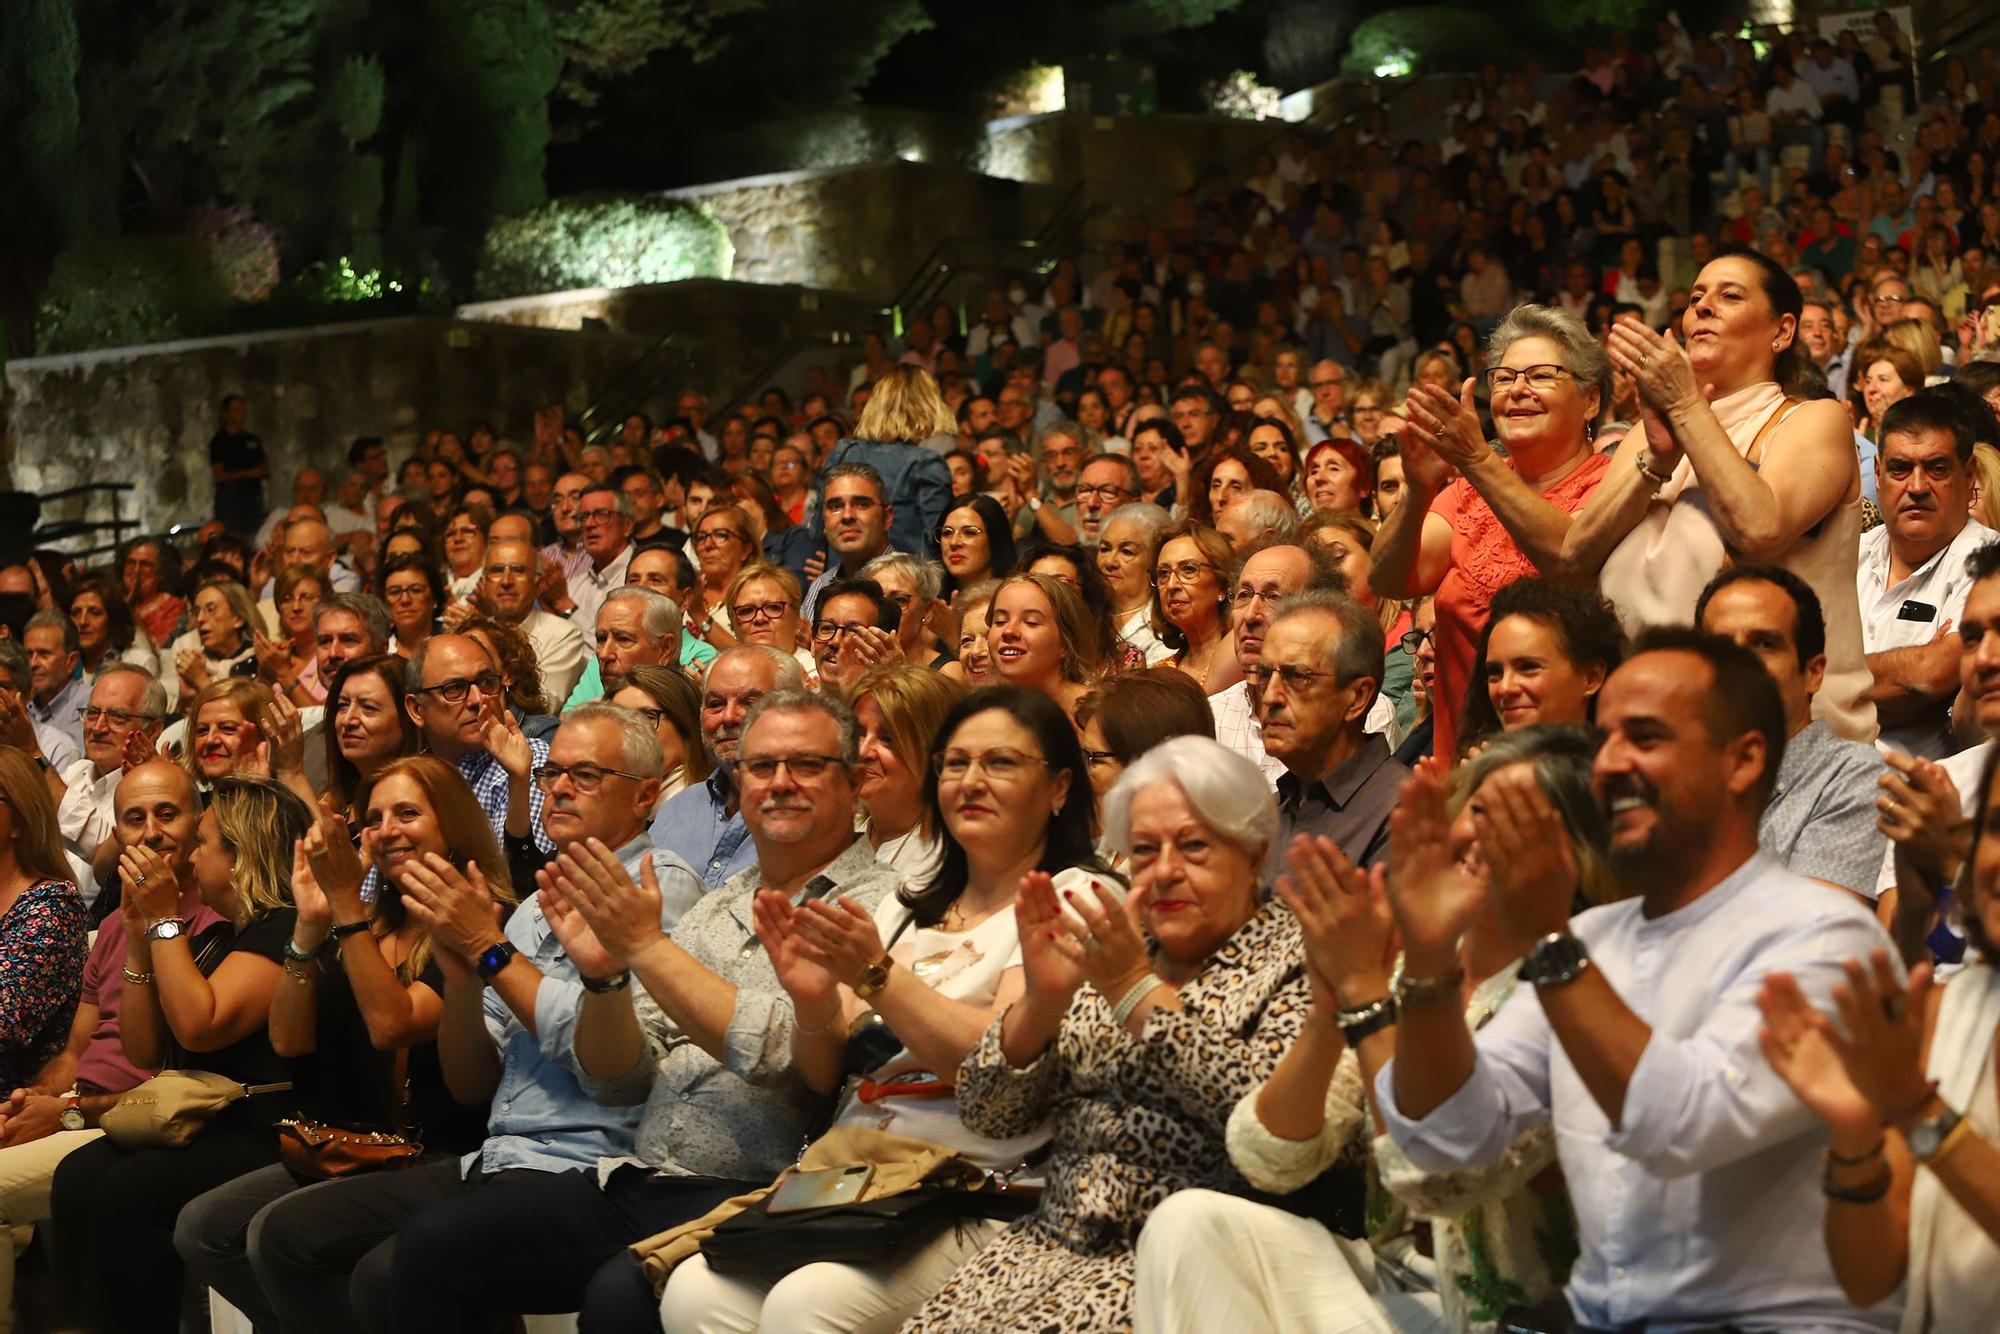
(587, 420)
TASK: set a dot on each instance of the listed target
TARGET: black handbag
(765, 1247)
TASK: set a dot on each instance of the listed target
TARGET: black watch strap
(1358, 1023)
(604, 986)
(1556, 959)
(495, 957)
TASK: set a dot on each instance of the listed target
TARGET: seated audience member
(150, 571)
(1256, 520)
(668, 572)
(705, 1040)
(429, 1244)
(1339, 476)
(1225, 477)
(898, 708)
(1541, 658)
(635, 626)
(115, 1206)
(54, 750)
(413, 590)
(346, 626)
(1129, 715)
(1124, 549)
(913, 585)
(704, 825)
(120, 726)
(975, 543)
(671, 706)
(464, 549)
(1821, 819)
(1042, 637)
(1190, 566)
(105, 630)
(521, 694)
(290, 660)
(1107, 483)
(1911, 578)
(44, 928)
(54, 1111)
(1416, 642)
(854, 632)
(974, 664)
(1263, 583)
(1506, 515)
(997, 827)
(1495, 1232)
(238, 728)
(1739, 471)
(55, 663)
(507, 591)
(764, 608)
(222, 642)
(1917, 1058)
(1135, 1072)
(724, 543)
(1694, 1172)
(1317, 674)
(783, 540)
(1067, 562)
(364, 727)
(362, 980)
(855, 512)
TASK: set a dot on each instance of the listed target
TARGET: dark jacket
(916, 482)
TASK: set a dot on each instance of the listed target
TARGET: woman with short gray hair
(1124, 549)
(1506, 515)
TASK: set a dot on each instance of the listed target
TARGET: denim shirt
(695, 824)
(917, 487)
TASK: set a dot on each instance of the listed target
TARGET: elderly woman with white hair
(1139, 1026)
(1124, 548)
(1475, 518)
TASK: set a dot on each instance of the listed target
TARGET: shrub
(1426, 39)
(131, 289)
(241, 249)
(603, 242)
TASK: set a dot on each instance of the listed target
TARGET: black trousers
(114, 1212)
(426, 1251)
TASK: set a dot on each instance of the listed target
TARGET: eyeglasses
(1888, 299)
(827, 631)
(1295, 678)
(653, 717)
(1539, 378)
(585, 778)
(455, 690)
(1270, 597)
(1328, 384)
(970, 530)
(407, 594)
(90, 713)
(714, 535)
(593, 516)
(1000, 766)
(1093, 758)
(502, 571)
(1106, 492)
(745, 612)
(1413, 640)
(1186, 572)
(806, 767)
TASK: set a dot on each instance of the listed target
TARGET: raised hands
(1794, 1040)
(284, 737)
(842, 936)
(1659, 366)
(331, 857)
(16, 728)
(1530, 864)
(137, 750)
(1344, 913)
(1880, 1036)
(1919, 810)
(1432, 899)
(579, 942)
(1049, 953)
(803, 968)
(624, 915)
(149, 885)
(455, 908)
(504, 740)
(315, 918)
(1447, 426)
(274, 659)
(1102, 938)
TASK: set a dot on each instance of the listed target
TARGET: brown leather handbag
(320, 1152)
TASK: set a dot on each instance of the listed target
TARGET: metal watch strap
(1555, 960)
(874, 977)
(604, 986)
(1358, 1023)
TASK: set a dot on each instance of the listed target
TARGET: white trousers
(1210, 1262)
(26, 1171)
(819, 1298)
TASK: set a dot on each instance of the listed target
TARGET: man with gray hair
(507, 587)
(704, 823)
(1051, 507)
(1317, 676)
(59, 687)
(1257, 520)
(1106, 482)
(52, 750)
(604, 514)
(127, 708)
(636, 627)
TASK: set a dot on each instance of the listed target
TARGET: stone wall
(1120, 159)
(144, 415)
(863, 229)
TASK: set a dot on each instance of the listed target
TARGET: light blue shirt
(1703, 1207)
(695, 824)
(541, 1119)
(696, 654)
(60, 712)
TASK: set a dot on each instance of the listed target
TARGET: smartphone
(819, 1189)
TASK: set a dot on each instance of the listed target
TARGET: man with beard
(1693, 1170)
(1106, 482)
(1911, 573)
(703, 823)
(1318, 675)
(1052, 510)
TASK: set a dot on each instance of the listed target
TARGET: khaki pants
(25, 1173)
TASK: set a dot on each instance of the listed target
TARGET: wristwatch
(1928, 1137)
(72, 1111)
(167, 928)
(495, 957)
(604, 986)
(1358, 1023)
(1556, 959)
(874, 977)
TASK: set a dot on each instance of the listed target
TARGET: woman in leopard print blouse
(1211, 997)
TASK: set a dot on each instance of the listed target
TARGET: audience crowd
(1413, 748)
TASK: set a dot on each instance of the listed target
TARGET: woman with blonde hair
(899, 708)
(724, 540)
(226, 623)
(1044, 638)
(1986, 485)
(225, 730)
(763, 602)
(1190, 565)
(363, 996)
(904, 410)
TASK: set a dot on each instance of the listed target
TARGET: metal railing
(66, 530)
(628, 390)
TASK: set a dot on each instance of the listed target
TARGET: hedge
(601, 242)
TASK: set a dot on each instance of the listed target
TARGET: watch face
(71, 1119)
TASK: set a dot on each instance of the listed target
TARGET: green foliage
(133, 289)
(241, 251)
(606, 40)
(354, 101)
(41, 129)
(1427, 38)
(617, 242)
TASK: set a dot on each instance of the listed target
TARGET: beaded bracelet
(1121, 1013)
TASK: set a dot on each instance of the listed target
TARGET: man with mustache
(1318, 675)
(1106, 482)
(507, 586)
(1911, 573)
(703, 824)
(1694, 1172)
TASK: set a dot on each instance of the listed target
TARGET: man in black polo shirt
(236, 461)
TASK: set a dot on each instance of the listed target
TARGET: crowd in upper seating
(1413, 749)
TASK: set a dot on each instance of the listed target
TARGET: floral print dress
(44, 938)
(1135, 1119)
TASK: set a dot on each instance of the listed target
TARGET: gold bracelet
(137, 979)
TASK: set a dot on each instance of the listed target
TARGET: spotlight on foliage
(602, 242)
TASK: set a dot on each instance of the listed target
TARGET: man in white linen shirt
(1910, 573)
(1693, 1171)
(508, 585)
(605, 513)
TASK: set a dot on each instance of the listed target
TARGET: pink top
(103, 1068)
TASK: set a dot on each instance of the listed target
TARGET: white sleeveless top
(1655, 576)
(1954, 1267)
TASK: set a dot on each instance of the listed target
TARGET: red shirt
(102, 1068)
